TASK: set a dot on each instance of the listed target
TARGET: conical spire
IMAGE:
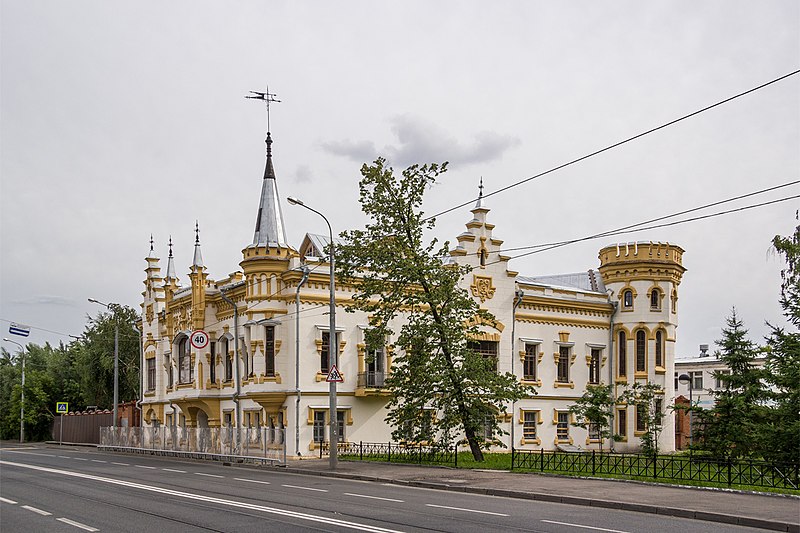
(480, 204)
(152, 254)
(270, 230)
(170, 264)
(197, 261)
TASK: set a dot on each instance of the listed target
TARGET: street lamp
(333, 348)
(686, 378)
(22, 398)
(116, 356)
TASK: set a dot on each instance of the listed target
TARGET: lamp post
(333, 345)
(22, 391)
(109, 306)
(686, 378)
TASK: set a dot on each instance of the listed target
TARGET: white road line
(466, 510)
(327, 520)
(19, 450)
(252, 480)
(173, 470)
(373, 497)
(303, 488)
(120, 464)
(64, 457)
(584, 527)
(35, 510)
(98, 461)
(147, 467)
(207, 475)
(80, 459)
(77, 524)
(6, 500)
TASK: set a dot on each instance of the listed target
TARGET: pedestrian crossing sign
(334, 375)
(62, 408)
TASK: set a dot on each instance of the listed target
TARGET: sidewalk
(777, 513)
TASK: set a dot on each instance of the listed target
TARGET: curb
(719, 518)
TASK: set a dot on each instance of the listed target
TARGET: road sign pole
(61, 431)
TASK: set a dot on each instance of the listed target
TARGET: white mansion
(616, 324)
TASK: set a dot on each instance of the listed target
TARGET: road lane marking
(98, 461)
(19, 450)
(327, 520)
(466, 510)
(373, 497)
(303, 488)
(35, 510)
(584, 527)
(207, 475)
(120, 464)
(80, 459)
(77, 524)
(252, 480)
(147, 467)
(173, 470)
(6, 500)
(64, 457)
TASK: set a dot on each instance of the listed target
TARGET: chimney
(704, 350)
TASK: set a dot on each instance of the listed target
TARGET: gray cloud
(420, 141)
(303, 174)
(48, 300)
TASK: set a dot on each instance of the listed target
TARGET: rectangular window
(594, 366)
(641, 418)
(529, 420)
(697, 379)
(719, 379)
(269, 350)
(676, 381)
(247, 358)
(594, 432)
(622, 362)
(170, 371)
(325, 358)
(375, 364)
(227, 419)
(151, 374)
(659, 349)
(184, 361)
(641, 351)
(340, 426)
(228, 360)
(488, 349)
(563, 364)
(562, 428)
(319, 426)
(622, 422)
(212, 367)
(487, 427)
(529, 364)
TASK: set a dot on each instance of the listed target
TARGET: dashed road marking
(465, 510)
(303, 488)
(120, 464)
(373, 497)
(173, 470)
(147, 467)
(98, 461)
(35, 510)
(207, 475)
(6, 500)
(64, 457)
(80, 459)
(252, 480)
(584, 527)
(77, 524)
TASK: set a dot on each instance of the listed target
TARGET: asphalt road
(74, 490)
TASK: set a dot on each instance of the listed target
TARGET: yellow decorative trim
(563, 336)
(661, 370)
(560, 385)
(482, 287)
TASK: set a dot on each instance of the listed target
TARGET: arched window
(641, 351)
(659, 348)
(655, 300)
(627, 299)
(184, 361)
(225, 349)
(621, 350)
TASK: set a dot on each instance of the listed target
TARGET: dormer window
(627, 299)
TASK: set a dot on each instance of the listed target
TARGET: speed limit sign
(199, 339)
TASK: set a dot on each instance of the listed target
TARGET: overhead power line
(615, 145)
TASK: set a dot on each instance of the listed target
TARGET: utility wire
(620, 143)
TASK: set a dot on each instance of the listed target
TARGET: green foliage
(81, 373)
(734, 426)
(393, 270)
(648, 398)
(595, 409)
(782, 435)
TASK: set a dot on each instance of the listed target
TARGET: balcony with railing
(372, 384)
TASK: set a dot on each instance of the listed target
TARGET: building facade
(268, 325)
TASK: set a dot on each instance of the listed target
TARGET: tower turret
(198, 276)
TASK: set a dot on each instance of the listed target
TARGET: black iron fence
(396, 452)
(672, 468)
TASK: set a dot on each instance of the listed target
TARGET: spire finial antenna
(170, 245)
(197, 232)
(151, 242)
(268, 98)
(480, 188)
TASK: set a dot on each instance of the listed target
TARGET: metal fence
(397, 452)
(264, 445)
(672, 468)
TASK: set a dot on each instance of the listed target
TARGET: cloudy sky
(122, 119)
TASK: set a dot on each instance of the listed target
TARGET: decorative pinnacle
(480, 188)
(151, 242)
(170, 245)
(196, 232)
(267, 97)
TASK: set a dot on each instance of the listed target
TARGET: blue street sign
(19, 329)
(62, 407)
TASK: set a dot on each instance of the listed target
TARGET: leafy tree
(648, 398)
(94, 357)
(782, 437)
(594, 411)
(392, 271)
(734, 426)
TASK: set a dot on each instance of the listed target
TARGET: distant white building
(616, 324)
